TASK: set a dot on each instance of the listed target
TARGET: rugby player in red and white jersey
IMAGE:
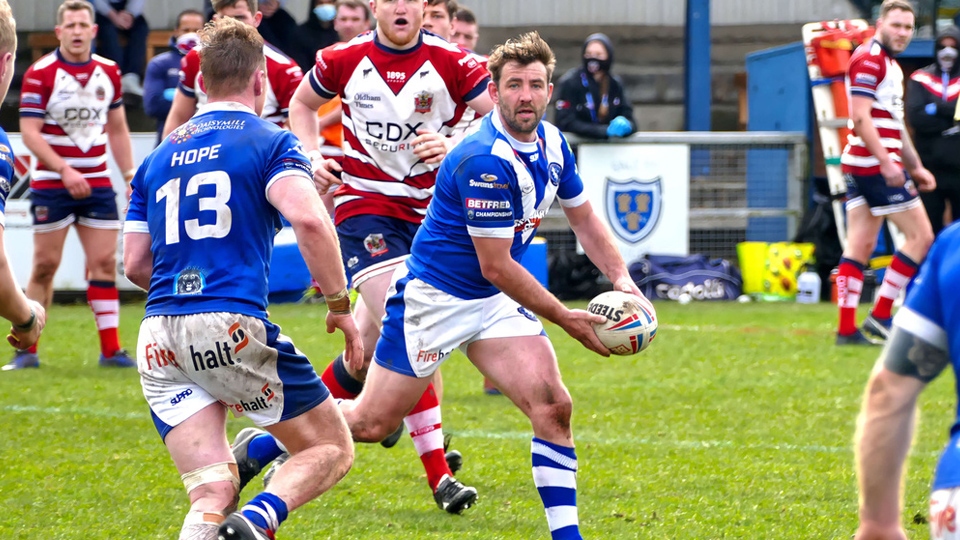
(71, 107)
(439, 17)
(403, 91)
(283, 74)
(882, 171)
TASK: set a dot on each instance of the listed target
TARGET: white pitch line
(511, 435)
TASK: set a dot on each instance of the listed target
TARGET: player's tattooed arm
(909, 355)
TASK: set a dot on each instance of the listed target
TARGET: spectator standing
(591, 101)
(932, 94)
(465, 29)
(160, 83)
(278, 27)
(124, 17)
(316, 33)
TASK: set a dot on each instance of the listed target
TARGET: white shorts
(188, 362)
(943, 514)
(423, 325)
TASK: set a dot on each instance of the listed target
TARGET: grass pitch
(736, 423)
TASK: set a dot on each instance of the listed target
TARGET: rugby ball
(631, 322)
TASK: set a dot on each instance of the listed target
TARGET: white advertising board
(18, 235)
(643, 192)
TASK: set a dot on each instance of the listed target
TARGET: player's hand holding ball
(631, 321)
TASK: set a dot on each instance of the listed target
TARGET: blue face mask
(325, 12)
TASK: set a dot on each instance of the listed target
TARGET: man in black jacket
(590, 99)
(931, 100)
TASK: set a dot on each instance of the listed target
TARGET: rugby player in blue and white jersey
(26, 316)
(463, 286)
(925, 339)
(199, 235)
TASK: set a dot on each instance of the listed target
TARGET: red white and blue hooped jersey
(283, 77)
(493, 186)
(874, 73)
(470, 120)
(73, 100)
(387, 96)
(6, 174)
(202, 198)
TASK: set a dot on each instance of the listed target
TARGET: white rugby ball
(631, 322)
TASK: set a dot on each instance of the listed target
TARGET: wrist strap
(27, 326)
(338, 303)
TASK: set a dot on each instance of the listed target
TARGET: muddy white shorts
(187, 362)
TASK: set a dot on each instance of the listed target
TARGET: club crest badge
(633, 207)
(423, 102)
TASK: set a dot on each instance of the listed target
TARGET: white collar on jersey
(519, 146)
(228, 106)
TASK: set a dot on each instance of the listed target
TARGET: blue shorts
(55, 209)
(883, 200)
(373, 245)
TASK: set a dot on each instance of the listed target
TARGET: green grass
(736, 423)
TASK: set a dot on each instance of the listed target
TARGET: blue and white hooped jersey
(493, 186)
(932, 313)
(6, 174)
(202, 197)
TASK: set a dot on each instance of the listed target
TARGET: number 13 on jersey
(217, 203)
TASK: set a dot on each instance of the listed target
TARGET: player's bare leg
(535, 386)
(47, 252)
(100, 248)
(203, 459)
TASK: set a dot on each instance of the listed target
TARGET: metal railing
(743, 186)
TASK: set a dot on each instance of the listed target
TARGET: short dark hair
(356, 4)
(889, 5)
(220, 4)
(230, 53)
(450, 4)
(525, 50)
(186, 12)
(75, 5)
(465, 15)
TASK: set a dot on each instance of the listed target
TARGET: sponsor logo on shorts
(352, 262)
(213, 358)
(181, 396)
(258, 403)
(526, 313)
(42, 213)
(159, 357)
(431, 357)
(375, 244)
(239, 338)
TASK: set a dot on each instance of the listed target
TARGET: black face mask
(594, 65)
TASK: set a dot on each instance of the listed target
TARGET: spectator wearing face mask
(316, 33)
(931, 101)
(590, 99)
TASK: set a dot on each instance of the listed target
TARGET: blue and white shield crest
(633, 207)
